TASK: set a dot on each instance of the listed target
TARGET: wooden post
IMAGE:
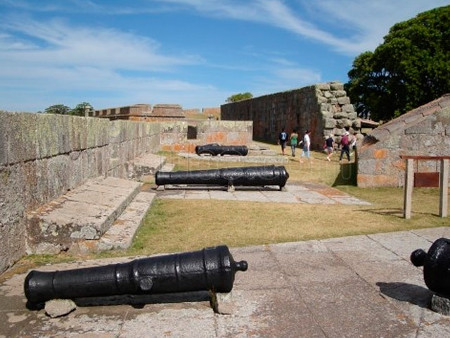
(408, 188)
(443, 188)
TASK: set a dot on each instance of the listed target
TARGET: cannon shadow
(404, 292)
(136, 301)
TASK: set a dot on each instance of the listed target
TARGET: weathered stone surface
(59, 307)
(440, 304)
(414, 133)
(323, 86)
(304, 108)
(348, 108)
(337, 86)
(330, 123)
(343, 100)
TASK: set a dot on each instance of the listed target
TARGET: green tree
(410, 68)
(58, 109)
(239, 97)
(82, 109)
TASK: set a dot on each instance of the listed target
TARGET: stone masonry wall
(323, 108)
(43, 156)
(185, 135)
(424, 131)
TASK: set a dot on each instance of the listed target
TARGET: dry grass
(183, 225)
(180, 225)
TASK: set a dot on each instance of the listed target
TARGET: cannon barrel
(217, 149)
(208, 269)
(243, 176)
(436, 265)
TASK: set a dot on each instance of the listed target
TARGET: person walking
(329, 144)
(282, 140)
(306, 145)
(293, 140)
(345, 147)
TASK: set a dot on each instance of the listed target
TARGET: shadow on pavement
(405, 292)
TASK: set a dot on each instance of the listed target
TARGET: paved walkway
(360, 286)
(309, 193)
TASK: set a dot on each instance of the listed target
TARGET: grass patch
(181, 225)
(185, 225)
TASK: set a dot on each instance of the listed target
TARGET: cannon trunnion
(215, 149)
(208, 269)
(241, 176)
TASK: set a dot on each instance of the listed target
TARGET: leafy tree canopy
(57, 109)
(239, 97)
(82, 109)
(410, 68)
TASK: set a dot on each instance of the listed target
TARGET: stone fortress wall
(323, 108)
(42, 156)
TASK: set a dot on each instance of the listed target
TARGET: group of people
(293, 140)
(346, 144)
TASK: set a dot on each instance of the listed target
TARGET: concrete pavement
(359, 286)
(300, 193)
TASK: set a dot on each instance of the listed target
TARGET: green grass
(184, 225)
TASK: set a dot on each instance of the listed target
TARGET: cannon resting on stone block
(210, 269)
(436, 266)
(240, 176)
(215, 149)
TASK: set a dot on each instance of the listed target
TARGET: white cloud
(369, 20)
(59, 44)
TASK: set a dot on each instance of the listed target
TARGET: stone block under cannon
(210, 269)
(240, 176)
(215, 149)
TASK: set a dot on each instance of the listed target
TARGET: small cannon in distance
(215, 149)
(210, 269)
(436, 266)
(240, 176)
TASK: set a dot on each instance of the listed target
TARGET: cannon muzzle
(208, 269)
(241, 176)
(436, 266)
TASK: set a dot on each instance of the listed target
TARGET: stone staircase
(101, 214)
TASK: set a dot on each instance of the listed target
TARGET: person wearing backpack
(345, 146)
(282, 140)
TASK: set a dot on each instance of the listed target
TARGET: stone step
(121, 233)
(145, 166)
(85, 213)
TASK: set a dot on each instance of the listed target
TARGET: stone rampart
(42, 156)
(323, 108)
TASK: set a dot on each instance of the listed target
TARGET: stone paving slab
(291, 193)
(358, 286)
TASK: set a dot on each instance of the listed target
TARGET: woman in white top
(306, 146)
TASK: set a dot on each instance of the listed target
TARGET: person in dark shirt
(329, 144)
(282, 140)
(345, 146)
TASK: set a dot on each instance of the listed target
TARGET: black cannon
(208, 269)
(215, 149)
(241, 176)
(436, 266)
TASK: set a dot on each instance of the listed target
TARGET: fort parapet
(42, 156)
(323, 108)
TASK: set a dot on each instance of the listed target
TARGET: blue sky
(195, 53)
